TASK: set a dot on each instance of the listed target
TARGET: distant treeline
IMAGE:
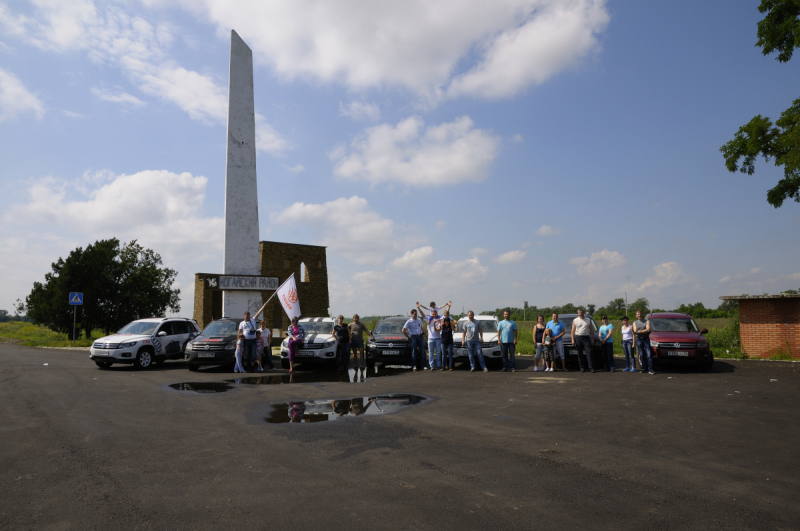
(5, 317)
(616, 310)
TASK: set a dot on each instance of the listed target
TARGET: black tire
(192, 367)
(103, 364)
(284, 364)
(144, 359)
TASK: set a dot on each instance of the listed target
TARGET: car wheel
(192, 367)
(103, 364)
(707, 365)
(285, 364)
(144, 359)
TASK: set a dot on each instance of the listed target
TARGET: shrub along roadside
(33, 335)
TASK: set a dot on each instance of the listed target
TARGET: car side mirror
(704, 331)
(162, 334)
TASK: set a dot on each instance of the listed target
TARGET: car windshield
(221, 328)
(487, 325)
(673, 325)
(317, 328)
(389, 327)
(139, 328)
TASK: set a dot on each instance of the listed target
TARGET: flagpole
(276, 292)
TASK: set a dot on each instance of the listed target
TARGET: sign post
(75, 299)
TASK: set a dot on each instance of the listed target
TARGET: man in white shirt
(434, 339)
(413, 331)
(582, 337)
(248, 328)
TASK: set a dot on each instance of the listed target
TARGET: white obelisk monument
(241, 256)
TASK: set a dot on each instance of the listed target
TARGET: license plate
(391, 352)
(205, 354)
(573, 352)
(678, 353)
(463, 352)
(100, 353)
(305, 352)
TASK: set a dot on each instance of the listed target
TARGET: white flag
(287, 294)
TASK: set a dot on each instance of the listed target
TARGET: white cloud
(297, 168)
(125, 206)
(416, 259)
(511, 257)
(118, 97)
(15, 99)
(441, 224)
(450, 153)
(358, 110)
(667, 274)
(518, 139)
(504, 45)
(73, 114)
(454, 273)
(755, 270)
(598, 262)
(478, 251)
(724, 279)
(347, 226)
(547, 230)
(109, 35)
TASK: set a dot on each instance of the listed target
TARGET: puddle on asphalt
(351, 376)
(202, 387)
(330, 409)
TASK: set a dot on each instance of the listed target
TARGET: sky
(488, 153)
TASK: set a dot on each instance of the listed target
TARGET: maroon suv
(675, 337)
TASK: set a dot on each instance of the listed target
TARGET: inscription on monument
(243, 282)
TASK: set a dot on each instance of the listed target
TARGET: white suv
(319, 344)
(490, 347)
(144, 341)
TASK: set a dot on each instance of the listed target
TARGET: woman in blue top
(607, 337)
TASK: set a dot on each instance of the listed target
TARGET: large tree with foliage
(119, 284)
(778, 31)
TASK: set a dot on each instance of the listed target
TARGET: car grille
(662, 344)
(394, 344)
(312, 346)
(483, 345)
(106, 346)
(208, 346)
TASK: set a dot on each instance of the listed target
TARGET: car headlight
(653, 344)
(189, 346)
(703, 343)
(127, 345)
(371, 344)
(231, 346)
(329, 343)
(285, 343)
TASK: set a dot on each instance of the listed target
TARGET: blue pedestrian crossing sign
(76, 299)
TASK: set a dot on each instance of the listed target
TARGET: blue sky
(488, 153)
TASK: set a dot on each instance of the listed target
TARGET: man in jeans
(641, 329)
(413, 331)
(473, 337)
(342, 334)
(248, 328)
(582, 337)
(557, 331)
(507, 338)
(434, 338)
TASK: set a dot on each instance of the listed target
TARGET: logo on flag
(287, 294)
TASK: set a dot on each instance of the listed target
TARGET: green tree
(639, 304)
(118, 286)
(778, 31)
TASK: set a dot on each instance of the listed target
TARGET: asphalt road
(85, 448)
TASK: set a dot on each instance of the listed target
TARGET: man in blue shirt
(413, 331)
(507, 337)
(558, 330)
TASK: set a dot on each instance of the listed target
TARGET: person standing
(434, 338)
(582, 337)
(641, 328)
(448, 327)
(342, 334)
(412, 329)
(357, 329)
(473, 337)
(266, 354)
(547, 339)
(607, 339)
(557, 330)
(507, 338)
(296, 335)
(627, 346)
(248, 328)
(538, 336)
(239, 352)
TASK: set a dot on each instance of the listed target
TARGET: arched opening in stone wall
(304, 276)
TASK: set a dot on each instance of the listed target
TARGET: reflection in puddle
(202, 387)
(351, 376)
(322, 410)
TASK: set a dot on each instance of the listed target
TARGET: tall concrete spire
(241, 256)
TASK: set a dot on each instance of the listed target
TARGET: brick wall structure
(277, 260)
(768, 322)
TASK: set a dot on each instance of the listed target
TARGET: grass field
(39, 336)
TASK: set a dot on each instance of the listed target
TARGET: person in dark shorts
(342, 334)
(357, 329)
